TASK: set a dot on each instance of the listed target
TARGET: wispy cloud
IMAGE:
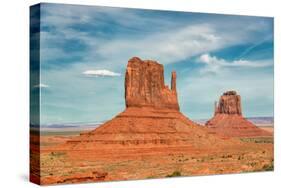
(255, 45)
(214, 64)
(129, 35)
(166, 47)
(97, 73)
(41, 86)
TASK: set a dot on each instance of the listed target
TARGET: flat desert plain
(123, 163)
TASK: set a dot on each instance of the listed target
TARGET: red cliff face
(228, 120)
(229, 103)
(145, 87)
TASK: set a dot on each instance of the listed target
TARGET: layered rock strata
(228, 120)
(145, 87)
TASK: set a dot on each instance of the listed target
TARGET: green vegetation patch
(174, 174)
(57, 154)
(268, 167)
(258, 140)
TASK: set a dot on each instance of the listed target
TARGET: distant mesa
(228, 120)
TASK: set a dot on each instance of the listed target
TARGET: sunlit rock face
(229, 103)
(145, 87)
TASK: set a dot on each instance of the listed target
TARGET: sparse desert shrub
(252, 164)
(226, 156)
(186, 159)
(57, 154)
(174, 174)
(268, 167)
(150, 177)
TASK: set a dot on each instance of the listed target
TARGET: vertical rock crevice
(174, 82)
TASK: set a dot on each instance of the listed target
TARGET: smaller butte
(228, 120)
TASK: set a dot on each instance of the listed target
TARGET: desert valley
(151, 138)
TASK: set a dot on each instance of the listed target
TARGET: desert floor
(143, 162)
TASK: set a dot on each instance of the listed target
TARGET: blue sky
(85, 49)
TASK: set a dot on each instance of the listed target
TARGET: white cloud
(41, 86)
(214, 64)
(102, 72)
(168, 47)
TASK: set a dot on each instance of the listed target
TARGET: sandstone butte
(228, 120)
(152, 116)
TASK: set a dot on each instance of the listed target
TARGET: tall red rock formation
(228, 120)
(144, 85)
(151, 118)
(229, 103)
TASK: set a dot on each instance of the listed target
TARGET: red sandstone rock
(144, 85)
(151, 118)
(228, 120)
(230, 103)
